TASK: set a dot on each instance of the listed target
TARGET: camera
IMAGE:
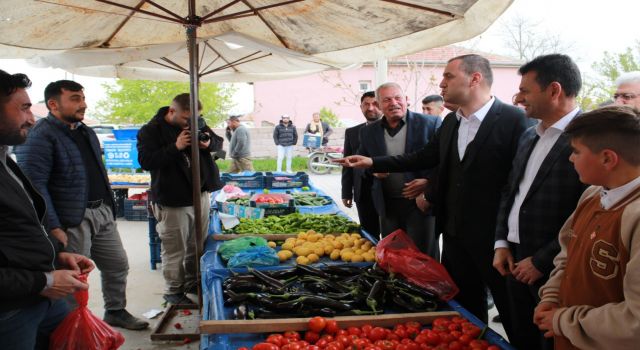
(202, 128)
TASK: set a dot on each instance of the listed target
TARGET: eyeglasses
(624, 96)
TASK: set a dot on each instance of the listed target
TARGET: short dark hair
(184, 102)
(371, 94)
(473, 63)
(54, 90)
(613, 127)
(558, 68)
(234, 117)
(432, 98)
(9, 83)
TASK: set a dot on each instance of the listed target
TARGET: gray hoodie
(240, 144)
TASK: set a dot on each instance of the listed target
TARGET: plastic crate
(274, 209)
(236, 340)
(255, 180)
(311, 141)
(300, 179)
(135, 210)
(125, 134)
(121, 195)
(215, 262)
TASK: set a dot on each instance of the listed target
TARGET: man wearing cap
(239, 146)
(285, 136)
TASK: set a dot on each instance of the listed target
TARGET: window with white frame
(364, 85)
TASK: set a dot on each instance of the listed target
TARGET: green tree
(599, 89)
(136, 101)
(329, 117)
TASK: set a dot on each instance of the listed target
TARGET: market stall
(287, 292)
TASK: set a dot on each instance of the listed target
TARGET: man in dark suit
(542, 192)
(397, 197)
(355, 186)
(474, 149)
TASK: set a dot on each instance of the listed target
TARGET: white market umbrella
(231, 57)
(333, 32)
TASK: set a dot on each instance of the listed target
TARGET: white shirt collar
(560, 125)
(480, 113)
(608, 198)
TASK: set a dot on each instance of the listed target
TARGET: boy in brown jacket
(592, 299)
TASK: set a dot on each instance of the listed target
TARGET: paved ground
(144, 290)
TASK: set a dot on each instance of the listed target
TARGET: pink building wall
(340, 91)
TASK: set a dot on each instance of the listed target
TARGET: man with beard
(473, 150)
(356, 187)
(62, 157)
(30, 288)
(543, 190)
(164, 149)
(399, 197)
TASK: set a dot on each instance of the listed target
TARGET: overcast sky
(592, 27)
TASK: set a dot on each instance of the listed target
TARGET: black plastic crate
(300, 179)
(120, 196)
(255, 180)
(135, 210)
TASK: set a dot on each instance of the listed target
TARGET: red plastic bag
(83, 330)
(397, 254)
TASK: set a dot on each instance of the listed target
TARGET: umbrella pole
(192, 48)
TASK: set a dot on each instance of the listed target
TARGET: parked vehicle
(320, 160)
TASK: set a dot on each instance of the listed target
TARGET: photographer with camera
(164, 149)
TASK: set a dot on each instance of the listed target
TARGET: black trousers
(367, 213)
(470, 264)
(523, 299)
(405, 214)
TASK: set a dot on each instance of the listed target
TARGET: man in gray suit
(542, 191)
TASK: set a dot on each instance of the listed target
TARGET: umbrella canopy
(335, 31)
(325, 32)
(231, 57)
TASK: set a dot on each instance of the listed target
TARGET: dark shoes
(177, 299)
(192, 290)
(496, 319)
(123, 319)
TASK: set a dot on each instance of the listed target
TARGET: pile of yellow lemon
(310, 246)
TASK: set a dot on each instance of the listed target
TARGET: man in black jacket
(356, 187)
(31, 287)
(63, 159)
(164, 148)
(474, 149)
(542, 192)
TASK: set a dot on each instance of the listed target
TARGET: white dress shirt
(547, 139)
(469, 125)
(608, 198)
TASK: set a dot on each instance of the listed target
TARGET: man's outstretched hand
(355, 161)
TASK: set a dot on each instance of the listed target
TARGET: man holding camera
(164, 149)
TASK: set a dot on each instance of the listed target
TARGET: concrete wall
(339, 91)
(262, 145)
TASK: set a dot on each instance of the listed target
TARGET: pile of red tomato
(455, 333)
(270, 198)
